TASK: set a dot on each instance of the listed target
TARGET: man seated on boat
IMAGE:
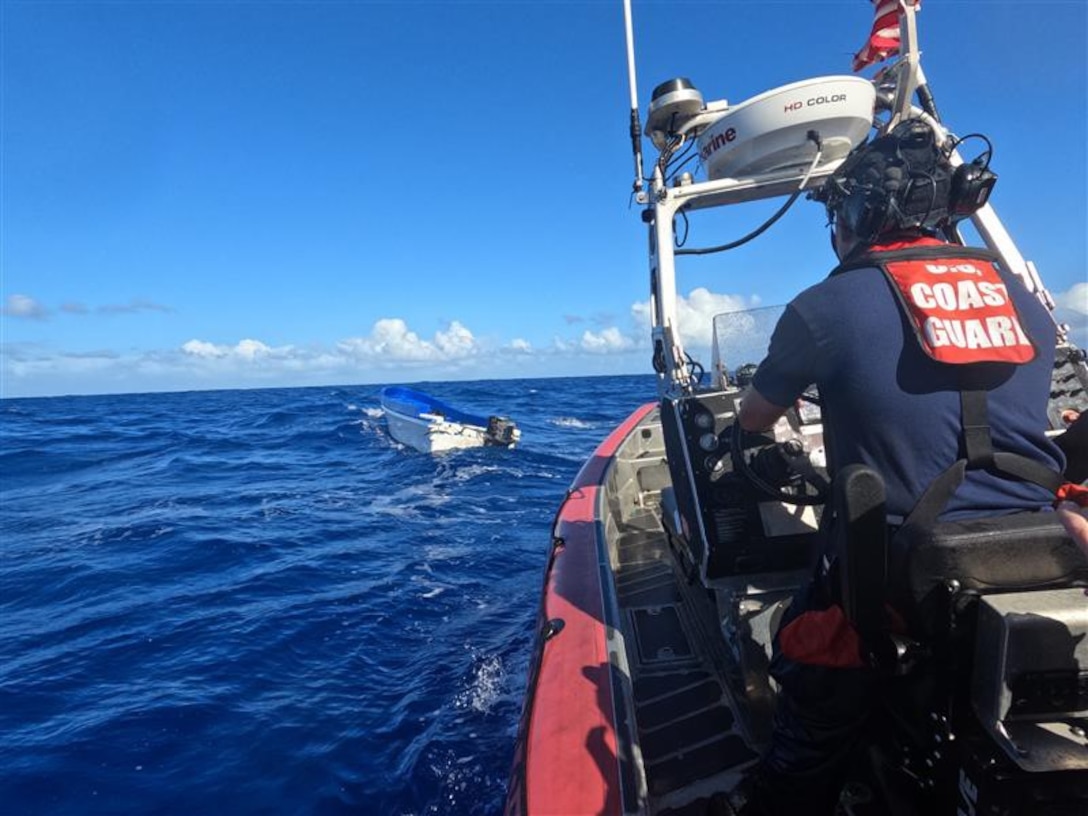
(909, 340)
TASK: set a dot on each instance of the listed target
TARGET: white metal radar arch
(764, 147)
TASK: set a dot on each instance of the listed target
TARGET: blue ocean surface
(258, 602)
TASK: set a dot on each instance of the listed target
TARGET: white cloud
(27, 307)
(200, 348)
(244, 350)
(694, 316)
(390, 352)
(390, 340)
(24, 306)
(252, 349)
(695, 313)
(607, 341)
(456, 342)
(133, 306)
(1072, 310)
(1075, 300)
(35, 370)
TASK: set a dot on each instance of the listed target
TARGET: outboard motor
(501, 431)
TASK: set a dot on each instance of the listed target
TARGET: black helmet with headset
(904, 181)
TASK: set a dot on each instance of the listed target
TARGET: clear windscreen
(740, 342)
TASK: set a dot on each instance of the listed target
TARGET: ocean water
(258, 602)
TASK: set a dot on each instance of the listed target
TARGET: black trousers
(820, 716)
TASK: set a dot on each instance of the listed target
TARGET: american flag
(884, 39)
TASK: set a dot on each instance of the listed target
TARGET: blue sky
(248, 194)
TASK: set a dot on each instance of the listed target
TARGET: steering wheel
(815, 488)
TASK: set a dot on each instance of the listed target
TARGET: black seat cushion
(1017, 552)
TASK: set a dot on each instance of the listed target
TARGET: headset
(903, 181)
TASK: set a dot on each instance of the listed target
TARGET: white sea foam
(446, 552)
(472, 471)
(570, 422)
(485, 686)
(409, 502)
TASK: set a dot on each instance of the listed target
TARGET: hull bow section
(625, 710)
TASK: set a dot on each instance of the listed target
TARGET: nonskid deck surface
(688, 731)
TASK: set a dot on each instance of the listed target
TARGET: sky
(199, 195)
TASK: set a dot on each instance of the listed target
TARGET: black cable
(667, 154)
(676, 170)
(677, 240)
(750, 236)
(676, 237)
(893, 202)
(814, 137)
(684, 156)
(988, 152)
(928, 103)
(693, 367)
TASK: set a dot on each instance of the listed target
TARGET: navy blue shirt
(886, 404)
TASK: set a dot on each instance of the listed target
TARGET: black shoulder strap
(922, 253)
(978, 454)
(978, 445)
(933, 500)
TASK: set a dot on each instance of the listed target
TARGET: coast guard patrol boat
(682, 538)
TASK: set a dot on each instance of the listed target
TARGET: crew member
(909, 339)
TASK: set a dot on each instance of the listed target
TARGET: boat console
(729, 528)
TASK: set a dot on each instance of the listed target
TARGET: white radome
(770, 132)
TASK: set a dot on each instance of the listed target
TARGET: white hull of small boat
(430, 433)
(430, 426)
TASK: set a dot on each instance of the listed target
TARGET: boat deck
(691, 741)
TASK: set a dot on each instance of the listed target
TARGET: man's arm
(1075, 520)
(757, 413)
(792, 363)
